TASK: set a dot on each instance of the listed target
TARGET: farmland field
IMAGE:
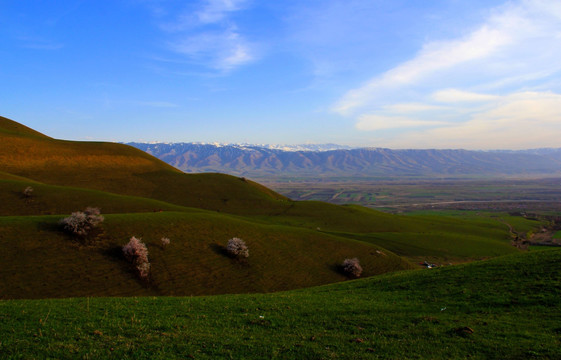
(401, 195)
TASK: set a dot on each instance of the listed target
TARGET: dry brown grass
(125, 170)
(8, 126)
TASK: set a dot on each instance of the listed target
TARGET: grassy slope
(442, 239)
(510, 305)
(125, 170)
(436, 238)
(40, 261)
(68, 176)
(10, 127)
(193, 264)
(53, 199)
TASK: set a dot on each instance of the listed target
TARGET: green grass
(439, 247)
(519, 224)
(194, 264)
(438, 238)
(510, 305)
(52, 199)
(41, 261)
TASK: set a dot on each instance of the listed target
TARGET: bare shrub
(237, 248)
(80, 223)
(165, 242)
(136, 252)
(28, 192)
(352, 267)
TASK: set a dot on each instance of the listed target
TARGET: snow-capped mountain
(335, 160)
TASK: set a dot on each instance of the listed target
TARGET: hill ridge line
(256, 160)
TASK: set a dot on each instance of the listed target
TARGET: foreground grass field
(504, 308)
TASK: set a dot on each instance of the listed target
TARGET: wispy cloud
(516, 121)
(224, 49)
(460, 96)
(217, 10)
(411, 108)
(435, 57)
(497, 77)
(207, 34)
(381, 122)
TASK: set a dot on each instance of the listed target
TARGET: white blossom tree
(236, 247)
(352, 267)
(136, 252)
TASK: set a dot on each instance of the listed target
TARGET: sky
(470, 74)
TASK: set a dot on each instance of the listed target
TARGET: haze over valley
(336, 161)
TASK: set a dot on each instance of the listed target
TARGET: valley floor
(411, 194)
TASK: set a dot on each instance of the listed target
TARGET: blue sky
(473, 74)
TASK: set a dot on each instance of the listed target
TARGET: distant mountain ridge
(334, 160)
(283, 147)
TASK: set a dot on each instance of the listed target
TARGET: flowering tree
(136, 252)
(237, 248)
(165, 242)
(28, 192)
(80, 223)
(352, 267)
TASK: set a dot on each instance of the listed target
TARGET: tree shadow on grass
(340, 269)
(337, 268)
(95, 238)
(115, 253)
(221, 250)
(57, 228)
(51, 227)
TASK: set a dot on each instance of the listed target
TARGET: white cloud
(208, 36)
(518, 40)
(222, 50)
(381, 122)
(496, 86)
(455, 95)
(217, 10)
(516, 121)
(411, 107)
(434, 57)
(238, 54)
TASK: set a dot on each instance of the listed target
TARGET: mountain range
(334, 160)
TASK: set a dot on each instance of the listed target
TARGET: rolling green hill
(124, 170)
(44, 262)
(504, 308)
(292, 244)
